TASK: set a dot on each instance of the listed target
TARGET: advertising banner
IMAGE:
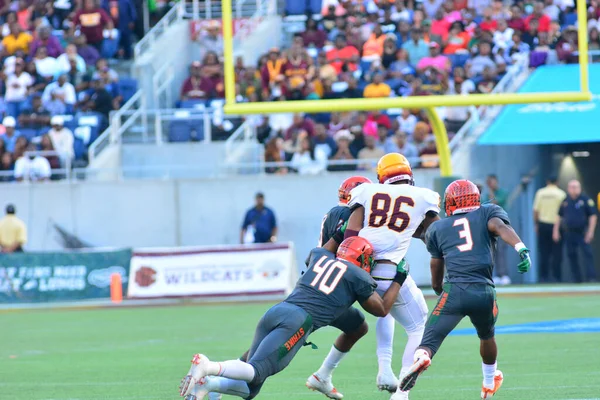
(266, 269)
(60, 276)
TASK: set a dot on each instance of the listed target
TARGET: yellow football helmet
(394, 167)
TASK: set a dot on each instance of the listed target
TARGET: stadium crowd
(363, 49)
(56, 79)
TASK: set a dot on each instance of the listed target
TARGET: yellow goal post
(426, 102)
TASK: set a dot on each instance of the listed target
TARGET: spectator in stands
(517, 46)
(210, 39)
(59, 97)
(93, 21)
(343, 57)
(373, 47)
(13, 232)
(196, 86)
(102, 65)
(45, 39)
(458, 39)
(530, 36)
(299, 72)
(6, 167)
(516, 21)
(323, 142)
(313, 36)
(488, 81)
(431, 7)
(36, 117)
(53, 159)
(101, 100)
(335, 124)
(308, 160)
(272, 73)
(20, 146)
(488, 24)
(428, 154)
(435, 60)
(45, 65)
(594, 39)
(111, 86)
(31, 167)
(16, 40)
(11, 136)
(538, 14)
(483, 59)
(407, 121)
(62, 140)
(352, 91)
(124, 15)
(343, 139)
(404, 147)
(386, 142)
(503, 35)
(300, 123)
(89, 53)
(24, 15)
(274, 153)
(567, 45)
(370, 152)
(17, 89)
(64, 60)
(416, 48)
(420, 135)
(377, 88)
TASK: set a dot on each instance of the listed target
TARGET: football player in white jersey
(389, 214)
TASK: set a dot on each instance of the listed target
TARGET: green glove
(525, 263)
(401, 272)
(343, 228)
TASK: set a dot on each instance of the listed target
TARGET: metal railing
(510, 82)
(174, 15)
(162, 81)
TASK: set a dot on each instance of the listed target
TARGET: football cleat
(197, 371)
(399, 396)
(320, 384)
(387, 381)
(487, 393)
(199, 391)
(419, 366)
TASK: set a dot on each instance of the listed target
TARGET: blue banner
(61, 276)
(549, 123)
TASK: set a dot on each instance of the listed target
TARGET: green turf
(141, 353)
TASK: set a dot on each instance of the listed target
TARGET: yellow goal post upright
(426, 102)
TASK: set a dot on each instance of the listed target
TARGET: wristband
(520, 246)
(338, 236)
(350, 233)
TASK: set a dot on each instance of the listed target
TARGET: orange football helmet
(394, 167)
(347, 186)
(461, 195)
(358, 251)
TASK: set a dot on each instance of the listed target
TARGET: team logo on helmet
(461, 196)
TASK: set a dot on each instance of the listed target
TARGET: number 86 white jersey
(392, 215)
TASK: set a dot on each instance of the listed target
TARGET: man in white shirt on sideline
(32, 167)
(62, 139)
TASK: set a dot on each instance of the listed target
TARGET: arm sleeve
(363, 285)
(22, 237)
(536, 202)
(495, 211)
(561, 209)
(274, 220)
(246, 220)
(432, 201)
(431, 243)
(590, 207)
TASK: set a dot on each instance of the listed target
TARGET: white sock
(228, 386)
(330, 363)
(420, 353)
(489, 370)
(233, 369)
(385, 342)
(414, 340)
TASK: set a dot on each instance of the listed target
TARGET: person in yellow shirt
(377, 88)
(546, 203)
(13, 232)
(17, 40)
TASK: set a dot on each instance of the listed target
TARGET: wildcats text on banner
(267, 269)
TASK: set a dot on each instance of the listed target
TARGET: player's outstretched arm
(508, 234)
(355, 222)
(437, 274)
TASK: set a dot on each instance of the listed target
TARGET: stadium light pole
(425, 102)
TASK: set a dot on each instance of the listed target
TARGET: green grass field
(142, 353)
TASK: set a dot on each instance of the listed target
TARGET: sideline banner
(262, 269)
(60, 276)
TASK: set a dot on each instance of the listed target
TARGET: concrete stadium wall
(184, 212)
